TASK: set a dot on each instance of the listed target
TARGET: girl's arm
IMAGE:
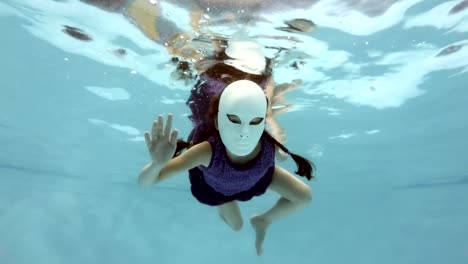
(199, 154)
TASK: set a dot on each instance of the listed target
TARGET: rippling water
(380, 107)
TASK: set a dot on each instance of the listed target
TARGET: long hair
(305, 167)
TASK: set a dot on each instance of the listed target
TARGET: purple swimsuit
(222, 181)
(229, 179)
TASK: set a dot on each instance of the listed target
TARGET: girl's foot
(260, 225)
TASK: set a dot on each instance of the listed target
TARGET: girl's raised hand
(162, 143)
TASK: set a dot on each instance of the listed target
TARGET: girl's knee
(235, 223)
(303, 197)
(307, 197)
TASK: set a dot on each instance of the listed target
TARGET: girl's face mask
(241, 116)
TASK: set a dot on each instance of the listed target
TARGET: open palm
(162, 143)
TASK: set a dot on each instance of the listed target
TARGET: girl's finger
(159, 126)
(154, 130)
(167, 130)
(148, 139)
(174, 136)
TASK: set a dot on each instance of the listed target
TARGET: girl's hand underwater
(162, 143)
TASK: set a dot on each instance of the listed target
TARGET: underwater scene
(250, 131)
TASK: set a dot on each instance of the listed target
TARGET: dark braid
(305, 168)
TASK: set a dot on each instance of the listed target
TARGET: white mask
(241, 116)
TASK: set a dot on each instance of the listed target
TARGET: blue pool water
(382, 112)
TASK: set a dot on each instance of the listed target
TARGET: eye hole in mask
(256, 121)
(235, 119)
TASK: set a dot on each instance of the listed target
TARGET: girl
(240, 60)
(232, 160)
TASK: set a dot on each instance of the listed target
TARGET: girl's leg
(295, 195)
(231, 215)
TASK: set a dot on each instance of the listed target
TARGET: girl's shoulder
(202, 151)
